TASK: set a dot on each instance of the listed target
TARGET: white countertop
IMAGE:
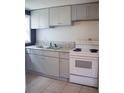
(57, 50)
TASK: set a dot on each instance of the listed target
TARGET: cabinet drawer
(35, 51)
(51, 53)
(64, 60)
(84, 80)
(42, 52)
(64, 55)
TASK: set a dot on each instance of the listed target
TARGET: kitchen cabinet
(93, 11)
(34, 63)
(40, 19)
(64, 68)
(51, 63)
(60, 16)
(45, 65)
(43, 53)
(64, 65)
(51, 66)
(85, 12)
(42, 62)
(35, 19)
(28, 63)
(79, 12)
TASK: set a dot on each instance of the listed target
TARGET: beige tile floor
(39, 84)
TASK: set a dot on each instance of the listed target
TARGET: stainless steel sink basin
(39, 46)
(48, 47)
(53, 48)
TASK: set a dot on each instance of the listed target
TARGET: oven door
(84, 66)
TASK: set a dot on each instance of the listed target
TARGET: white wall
(79, 31)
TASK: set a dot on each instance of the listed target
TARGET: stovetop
(88, 50)
(84, 52)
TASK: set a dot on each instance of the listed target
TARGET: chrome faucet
(55, 45)
(51, 45)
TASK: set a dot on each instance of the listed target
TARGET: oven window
(83, 64)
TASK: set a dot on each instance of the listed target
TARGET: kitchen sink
(46, 47)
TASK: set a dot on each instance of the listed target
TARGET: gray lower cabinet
(28, 63)
(34, 63)
(48, 63)
(51, 66)
(64, 68)
(42, 64)
(37, 63)
(64, 65)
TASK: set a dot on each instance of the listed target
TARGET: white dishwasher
(84, 64)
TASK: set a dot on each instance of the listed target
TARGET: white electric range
(84, 63)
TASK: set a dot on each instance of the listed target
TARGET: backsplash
(87, 44)
(65, 44)
(82, 30)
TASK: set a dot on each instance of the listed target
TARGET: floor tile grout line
(80, 89)
(47, 86)
(64, 87)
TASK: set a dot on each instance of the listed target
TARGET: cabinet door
(42, 64)
(64, 68)
(93, 11)
(28, 63)
(36, 62)
(79, 12)
(60, 16)
(64, 15)
(74, 12)
(43, 18)
(35, 19)
(85, 12)
(54, 16)
(39, 19)
(51, 66)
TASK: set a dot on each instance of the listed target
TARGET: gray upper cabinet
(79, 12)
(34, 19)
(60, 16)
(93, 11)
(39, 19)
(85, 12)
(63, 15)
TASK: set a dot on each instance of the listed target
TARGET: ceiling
(37, 4)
